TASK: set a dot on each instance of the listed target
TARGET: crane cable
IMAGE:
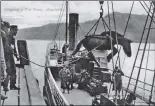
(97, 22)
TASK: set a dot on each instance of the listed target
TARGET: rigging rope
(112, 52)
(116, 34)
(146, 69)
(110, 34)
(151, 93)
(59, 20)
(137, 53)
(125, 28)
(144, 52)
(146, 10)
(123, 61)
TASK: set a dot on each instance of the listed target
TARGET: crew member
(64, 75)
(117, 85)
(13, 32)
(72, 70)
(64, 51)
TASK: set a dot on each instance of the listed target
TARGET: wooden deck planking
(24, 98)
(35, 94)
(27, 85)
(12, 98)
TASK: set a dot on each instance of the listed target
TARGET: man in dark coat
(64, 75)
(64, 50)
(117, 85)
(13, 32)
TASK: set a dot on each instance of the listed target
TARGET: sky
(37, 13)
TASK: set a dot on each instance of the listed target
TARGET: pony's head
(126, 43)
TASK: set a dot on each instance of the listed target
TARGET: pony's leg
(90, 54)
(109, 57)
(68, 88)
(77, 47)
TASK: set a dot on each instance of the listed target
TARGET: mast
(66, 20)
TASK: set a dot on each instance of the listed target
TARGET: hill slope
(134, 29)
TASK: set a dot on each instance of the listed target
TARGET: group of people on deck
(8, 51)
(66, 73)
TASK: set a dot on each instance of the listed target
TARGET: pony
(104, 42)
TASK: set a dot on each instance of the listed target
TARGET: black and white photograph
(70, 53)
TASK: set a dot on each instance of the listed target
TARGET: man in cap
(13, 32)
(117, 85)
(64, 75)
(14, 29)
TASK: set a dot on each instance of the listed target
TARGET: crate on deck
(95, 87)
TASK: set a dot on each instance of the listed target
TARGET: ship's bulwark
(37, 51)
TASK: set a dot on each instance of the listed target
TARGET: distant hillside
(134, 30)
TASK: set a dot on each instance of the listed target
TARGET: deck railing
(57, 95)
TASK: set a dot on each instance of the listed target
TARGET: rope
(112, 52)
(146, 10)
(116, 34)
(150, 98)
(144, 52)
(110, 34)
(59, 19)
(93, 26)
(146, 69)
(29, 60)
(123, 61)
(137, 53)
(126, 28)
(151, 93)
(66, 21)
(81, 29)
(96, 24)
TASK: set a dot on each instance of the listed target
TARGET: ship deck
(29, 93)
(81, 97)
(77, 97)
